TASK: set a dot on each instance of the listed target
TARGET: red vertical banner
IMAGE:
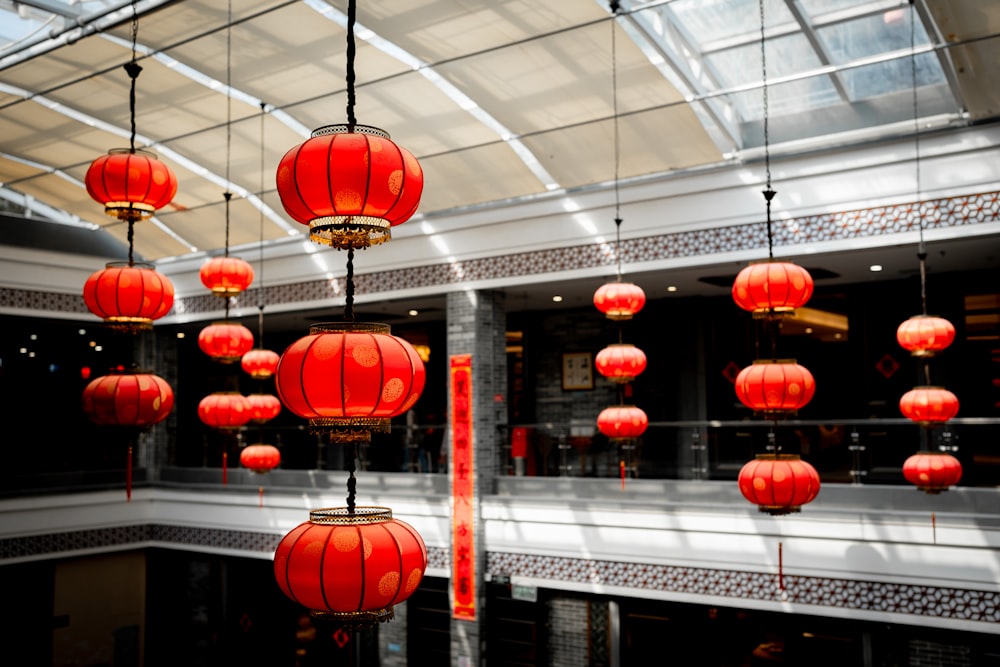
(463, 517)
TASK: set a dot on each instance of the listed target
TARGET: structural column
(477, 415)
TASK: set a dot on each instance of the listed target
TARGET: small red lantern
(128, 399)
(260, 364)
(932, 472)
(225, 342)
(779, 483)
(620, 362)
(131, 184)
(928, 405)
(350, 378)
(925, 335)
(226, 276)
(260, 458)
(775, 387)
(225, 410)
(621, 422)
(772, 288)
(263, 407)
(129, 295)
(619, 301)
(350, 185)
(351, 566)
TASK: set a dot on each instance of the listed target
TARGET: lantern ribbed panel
(120, 293)
(365, 567)
(130, 184)
(260, 458)
(925, 335)
(224, 410)
(932, 472)
(263, 407)
(226, 276)
(622, 421)
(620, 362)
(779, 483)
(260, 364)
(772, 286)
(136, 399)
(775, 386)
(344, 374)
(928, 405)
(225, 342)
(619, 301)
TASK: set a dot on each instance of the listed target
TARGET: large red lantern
(932, 472)
(350, 378)
(772, 288)
(775, 387)
(225, 342)
(128, 399)
(620, 362)
(226, 276)
(260, 364)
(619, 301)
(621, 422)
(925, 335)
(131, 184)
(129, 295)
(779, 483)
(260, 458)
(263, 407)
(225, 410)
(928, 405)
(350, 185)
(351, 566)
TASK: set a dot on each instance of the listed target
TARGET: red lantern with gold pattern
(772, 288)
(775, 387)
(260, 458)
(129, 295)
(226, 276)
(620, 422)
(225, 342)
(619, 301)
(620, 362)
(128, 399)
(928, 405)
(350, 378)
(131, 184)
(263, 407)
(351, 566)
(350, 185)
(932, 472)
(779, 483)
(925, 335)
(260, 364)
(225, 410)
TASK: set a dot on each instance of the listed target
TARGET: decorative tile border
(960, 211)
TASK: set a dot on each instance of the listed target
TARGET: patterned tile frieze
(938, 602)
(959, 211)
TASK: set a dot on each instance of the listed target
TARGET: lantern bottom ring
(355, 620)
(349, 231)
(124, 210)
(778, 510)
(773, 313)
(349, 429)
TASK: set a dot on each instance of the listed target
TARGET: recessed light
(557, 298)
(875, 268)
(671, 288)
(809, 330)
(180, 334)
(413, 312)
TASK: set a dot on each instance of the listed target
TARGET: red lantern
(621, 422)
(226, 276)
(263, 407)
(620, 362)
(128, 399)
(928, 405)
(779, 483)
(225, 342)
(260, 364)
(351, 566)
(775, 387)
(619, 301)
(349, 185)
(350, 378)
(932, 472)
(925, 335)
(129, 295)
(772, 288)
(260, 458)
(225, 410)
(130, 184)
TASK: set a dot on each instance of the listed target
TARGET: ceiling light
(875, 268)
(557, 298)
(413, 312)
(671, 288)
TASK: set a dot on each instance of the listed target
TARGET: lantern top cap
(929, 387)
(343, 128)
(134, 151)
(124, 264)
(774, 361)
(350, 327)
(777, 456)
(343, 516)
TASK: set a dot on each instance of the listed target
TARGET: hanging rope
(768, 192)
(133, 69)
(351, 17)
(349, 284)
(614, 106)
(260, 196)
(229, 113)
(921, 251)
(350, 453)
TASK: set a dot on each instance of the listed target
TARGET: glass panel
(816, 7)
(711, 20)
(869, 36)
(892, 76)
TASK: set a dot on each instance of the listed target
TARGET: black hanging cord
(768, 192)
(921, 251)
(260, 196)
(349, 283)
(229, 113)
(614, 105)
(133, 69)
(352, 12)
(350, 454)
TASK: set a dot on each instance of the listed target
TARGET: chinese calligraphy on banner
(463, 561)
